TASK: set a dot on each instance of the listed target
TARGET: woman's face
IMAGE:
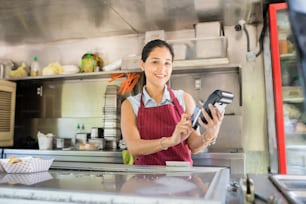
(158, 66)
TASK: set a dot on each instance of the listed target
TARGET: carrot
(128, 84)
(116, 76)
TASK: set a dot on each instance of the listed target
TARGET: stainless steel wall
(251, 137)
(60, 107)
(230, 138)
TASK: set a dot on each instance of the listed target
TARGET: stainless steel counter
(113, 157)
(118, 184)
(78, 181)
(234, 161)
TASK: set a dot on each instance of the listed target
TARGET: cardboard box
(208, 29)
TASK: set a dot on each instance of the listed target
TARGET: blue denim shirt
(150, 102)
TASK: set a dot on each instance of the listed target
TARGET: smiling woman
(156, 123)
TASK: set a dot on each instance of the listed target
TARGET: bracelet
(205, 141)
(161, 143)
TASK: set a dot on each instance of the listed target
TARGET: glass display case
(290, 115)
(128, 184)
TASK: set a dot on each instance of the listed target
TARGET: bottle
(78, 129)
(35, 67)
(83, 128)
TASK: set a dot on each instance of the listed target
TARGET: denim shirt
(150, 102)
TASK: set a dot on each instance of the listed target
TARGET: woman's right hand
(182, 130)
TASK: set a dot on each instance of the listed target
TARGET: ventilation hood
(39, 21)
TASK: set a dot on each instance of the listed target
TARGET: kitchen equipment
(7, 67)
(81, 138)
(62, 143)
(100, 132)
(293, 187)
(97, 142)
(59, 143)
(94, 133)
(110, 144)
(112, 131)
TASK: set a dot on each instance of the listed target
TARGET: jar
(283, 42)
(88, 63)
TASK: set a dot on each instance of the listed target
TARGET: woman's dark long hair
(147, 49)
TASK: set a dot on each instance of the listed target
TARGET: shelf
(296, 134)
(199, 62)
(288, 56)
(90, 75)
(293, 100)
(292, 94)
(179, 66)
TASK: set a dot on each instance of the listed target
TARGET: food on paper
(13, 160)
(25, 165)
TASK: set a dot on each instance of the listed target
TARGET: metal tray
(293, 187)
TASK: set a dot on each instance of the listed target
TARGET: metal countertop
(234, 161)
(119, 184)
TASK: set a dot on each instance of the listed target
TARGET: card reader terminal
(219, 99)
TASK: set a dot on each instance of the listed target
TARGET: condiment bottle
(35, 67)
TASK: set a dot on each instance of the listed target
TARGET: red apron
(157, 122)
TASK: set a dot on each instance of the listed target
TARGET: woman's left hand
(213, 125)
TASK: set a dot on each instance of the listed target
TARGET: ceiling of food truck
(37, 21)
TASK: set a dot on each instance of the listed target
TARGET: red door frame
(277, 84)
